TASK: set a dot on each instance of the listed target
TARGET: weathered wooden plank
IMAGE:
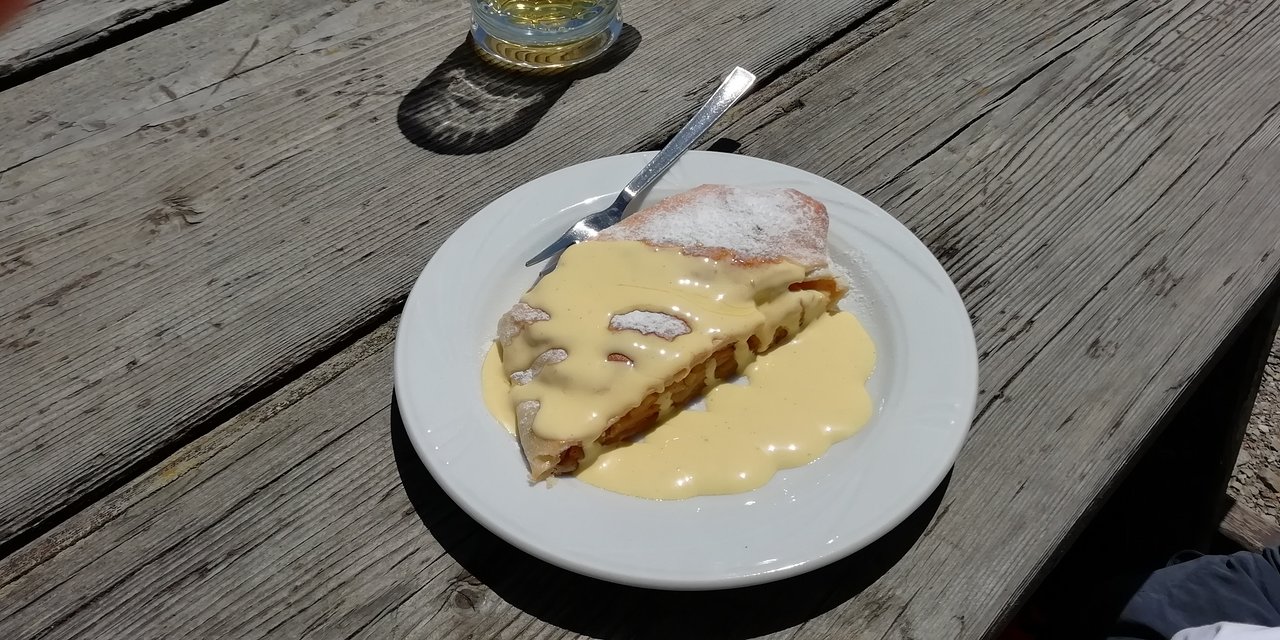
(50, 32)
(1170, 500)
(282, 436)
(157, 274)
(364, 564)
(211, 59)
(1104, 263)
(1086, 204)
(1249, 529)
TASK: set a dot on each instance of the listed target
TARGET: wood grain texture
(52, 31)
(333, 534)
(1249, 529)
(209, 60)
(1101, 206)
(162, 270)
(1096, 179)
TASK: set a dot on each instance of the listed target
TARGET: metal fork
(735, 84)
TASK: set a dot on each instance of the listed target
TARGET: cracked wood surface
(180, 231)
(208, 60)
(1097, 178)
(53, 31)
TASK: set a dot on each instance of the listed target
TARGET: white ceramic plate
(925, 385)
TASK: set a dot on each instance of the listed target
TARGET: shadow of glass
(466, 105)
(602, 609)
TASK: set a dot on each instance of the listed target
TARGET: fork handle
(734, 86)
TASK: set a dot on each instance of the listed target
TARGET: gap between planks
(52, 34)
(191, 454)
(1152, 278)
(1152, 281)
(799, 67)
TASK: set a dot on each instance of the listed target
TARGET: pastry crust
(798, 236)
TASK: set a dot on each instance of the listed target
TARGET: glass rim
(497, 23)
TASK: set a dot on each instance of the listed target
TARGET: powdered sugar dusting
(856, 297)
(662, 325)
(754, 224)
(514, 321)
(548, 357)
(525, 314)
(842, 276)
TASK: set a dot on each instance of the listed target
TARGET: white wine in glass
(544, 34)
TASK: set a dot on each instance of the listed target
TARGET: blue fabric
(1195, 591)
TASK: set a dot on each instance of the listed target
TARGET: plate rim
(567, 561)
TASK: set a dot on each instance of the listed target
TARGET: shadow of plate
(602, 609)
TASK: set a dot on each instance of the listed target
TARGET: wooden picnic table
(211, 213)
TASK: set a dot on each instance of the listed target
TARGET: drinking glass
(544, 35)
